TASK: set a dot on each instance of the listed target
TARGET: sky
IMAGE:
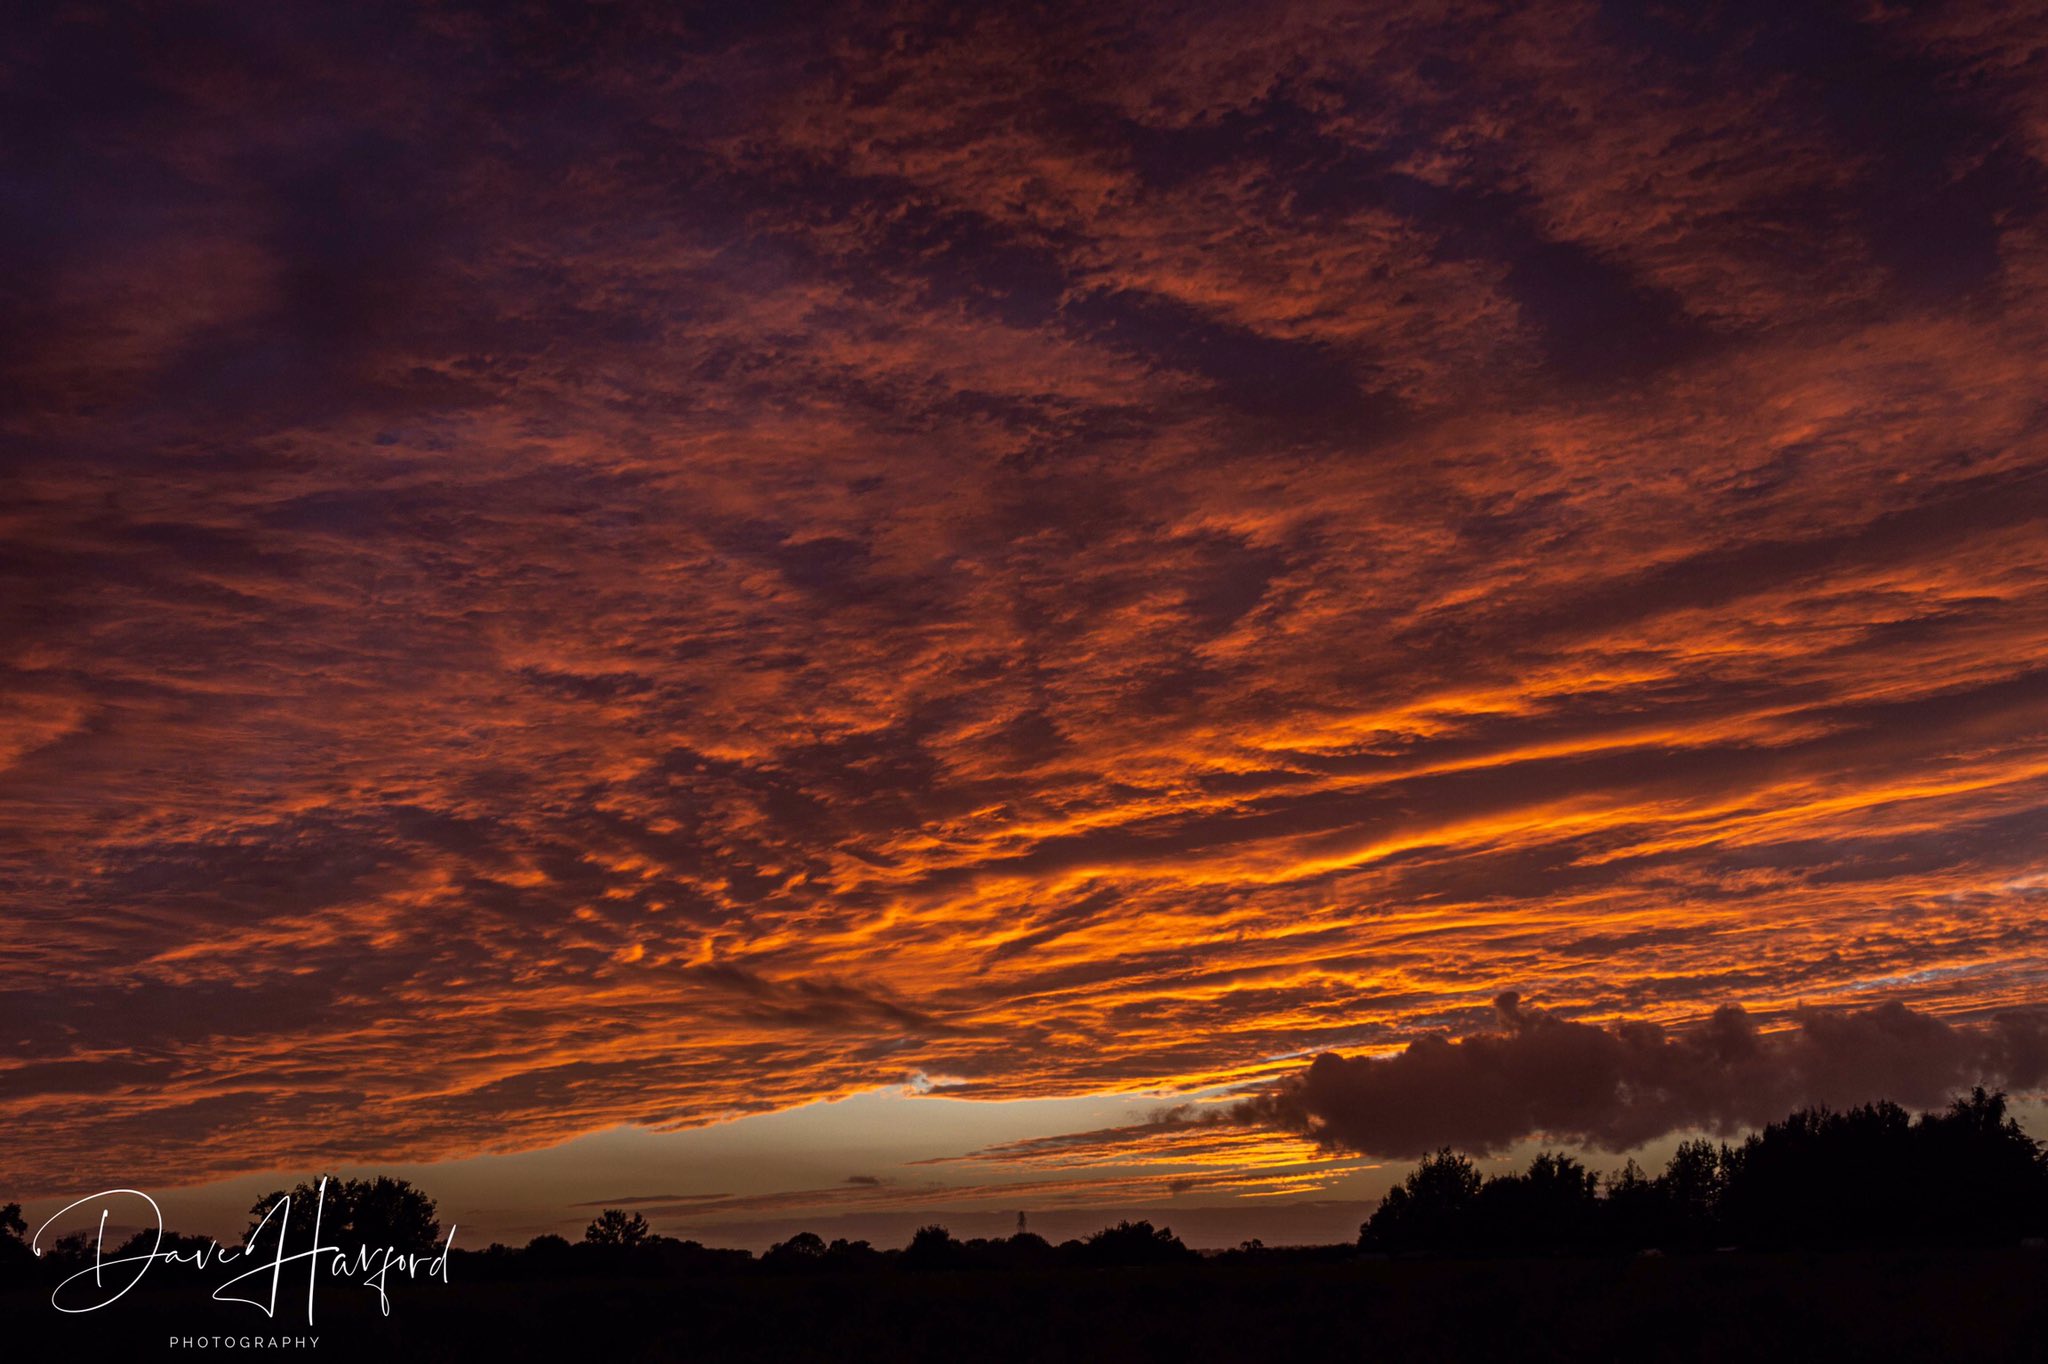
(792, 611)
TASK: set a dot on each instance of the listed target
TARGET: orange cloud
(648, 573)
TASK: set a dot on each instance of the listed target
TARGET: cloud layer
(600, 564)
(1624, 1085)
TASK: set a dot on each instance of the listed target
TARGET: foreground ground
(1901, 1305)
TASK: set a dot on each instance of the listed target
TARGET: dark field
(1892, 1305)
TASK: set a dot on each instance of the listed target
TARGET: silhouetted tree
(615, 1227)
(845, 1254)
(804, 1251)
(694, 1257)
(1632, 1211)
(1136, 1243)
(1867, 1176)
(1820, 1177)
(73, 1249)
(805, 1245)
(1026, 1250)
(932, 1247)
(13, 1237)
(1430, 1210)
(381, 1212)
(1977, 1176)
(1872, 1175)
(1690, 1193)
(1554, 1205)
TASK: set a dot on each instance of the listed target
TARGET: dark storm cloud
(1625, 1084)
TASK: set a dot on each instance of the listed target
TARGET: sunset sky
(612, 574)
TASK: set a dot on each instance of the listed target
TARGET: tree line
(1866, 1176)
(620, 1241)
